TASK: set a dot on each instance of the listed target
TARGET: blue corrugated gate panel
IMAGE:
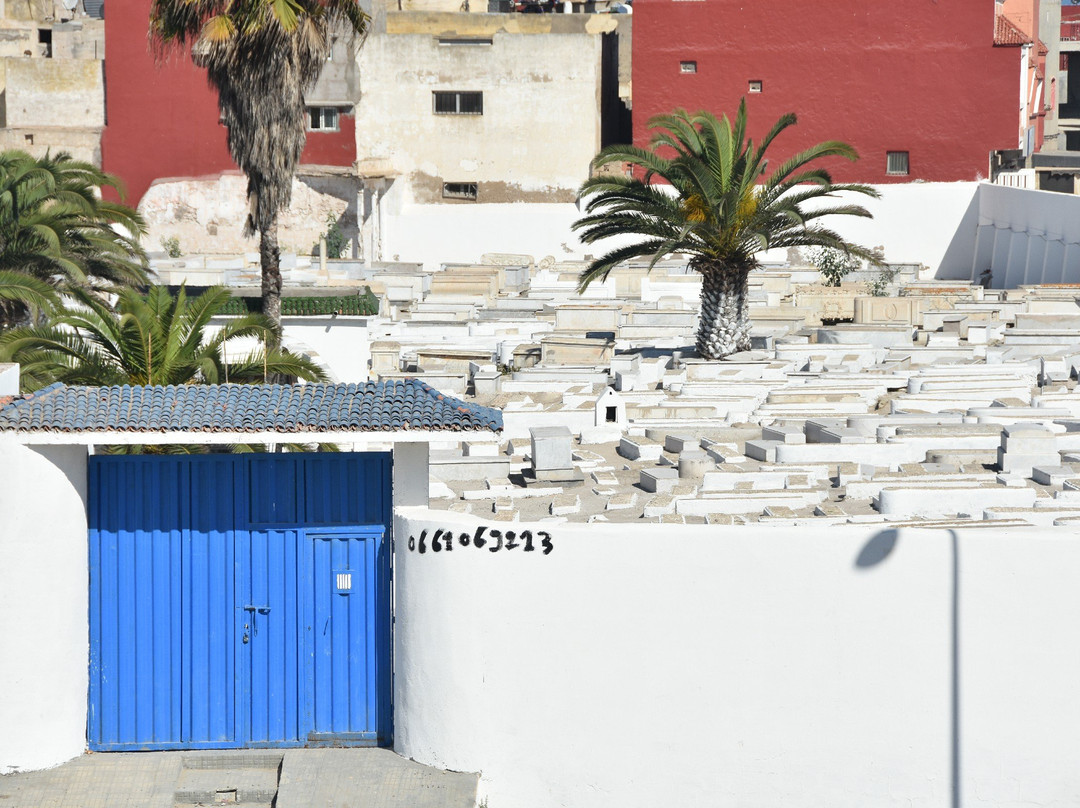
(239, 601)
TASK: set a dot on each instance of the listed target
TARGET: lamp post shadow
(877, 551)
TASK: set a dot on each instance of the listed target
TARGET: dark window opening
(611, 414)
(44, 38)
(459, 190)
(457, 103)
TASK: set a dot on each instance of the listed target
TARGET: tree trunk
(270, 258)
(724, 327)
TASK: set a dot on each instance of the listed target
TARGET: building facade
(163, 116)
(919, 89)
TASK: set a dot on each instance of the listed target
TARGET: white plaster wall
(339, 345)
(44, 642)
(916, 223)
(342, 345)
(930, 223)
(437, 234)
(644, 665)
(1027, 236)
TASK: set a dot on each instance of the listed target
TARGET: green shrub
(833, 264)
(171, 246)
(335, 239)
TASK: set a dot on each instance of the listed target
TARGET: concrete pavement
(292, 778)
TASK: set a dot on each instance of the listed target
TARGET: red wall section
(332, 148)
(162, 117)
(920, 76)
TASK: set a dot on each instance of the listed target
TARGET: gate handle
(259, 609)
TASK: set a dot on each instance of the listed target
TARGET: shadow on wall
(876, 552)
(957, 264)
(346, 190)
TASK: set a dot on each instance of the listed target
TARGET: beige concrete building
(465, 107)
(484, 107)
(52, 89)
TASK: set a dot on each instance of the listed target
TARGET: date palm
(260, 56)
(57, 232)
(719, 208)
(152, 338)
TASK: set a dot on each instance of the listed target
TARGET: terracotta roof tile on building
(367, 407)
(1006, 32)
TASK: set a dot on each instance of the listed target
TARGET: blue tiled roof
(367, 407)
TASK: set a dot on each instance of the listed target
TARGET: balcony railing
(1070, 31)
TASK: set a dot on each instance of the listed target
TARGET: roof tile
(369, 406)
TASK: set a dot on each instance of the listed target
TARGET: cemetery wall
(700, 665)
(434, 234)
(44, 625)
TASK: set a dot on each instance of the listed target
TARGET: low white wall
(1026, 236)
(43, 606)
(339, 345)
(916, 223)
(437, 234)
(644, 665)
(929, 223)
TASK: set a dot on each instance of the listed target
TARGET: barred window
(896, 162)
(457, 103)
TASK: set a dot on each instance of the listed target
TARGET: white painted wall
(639, 665)
(43, 606)
(437, 234)
(916, 223)
(340, 345)
(1026, 236)
(930, 223)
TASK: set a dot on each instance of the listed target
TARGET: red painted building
(921, 81)
(162, 117)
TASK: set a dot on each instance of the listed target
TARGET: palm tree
(19, 291)
(151, 338)
(56, 231)
(261, 56)
(720, 210)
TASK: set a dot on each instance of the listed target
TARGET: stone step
(233, 759)
(215, 786)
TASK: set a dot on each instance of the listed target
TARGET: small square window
(756, 86)
(688, 67)
(322, 119)
(896, 162)
(460, 190)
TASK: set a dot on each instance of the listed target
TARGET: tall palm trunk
(270, 258)
(725, 323)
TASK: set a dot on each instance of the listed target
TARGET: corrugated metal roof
(94, 8)
(368, 407)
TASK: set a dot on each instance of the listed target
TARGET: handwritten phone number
(495, 540)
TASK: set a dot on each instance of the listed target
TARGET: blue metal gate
(239, 601)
